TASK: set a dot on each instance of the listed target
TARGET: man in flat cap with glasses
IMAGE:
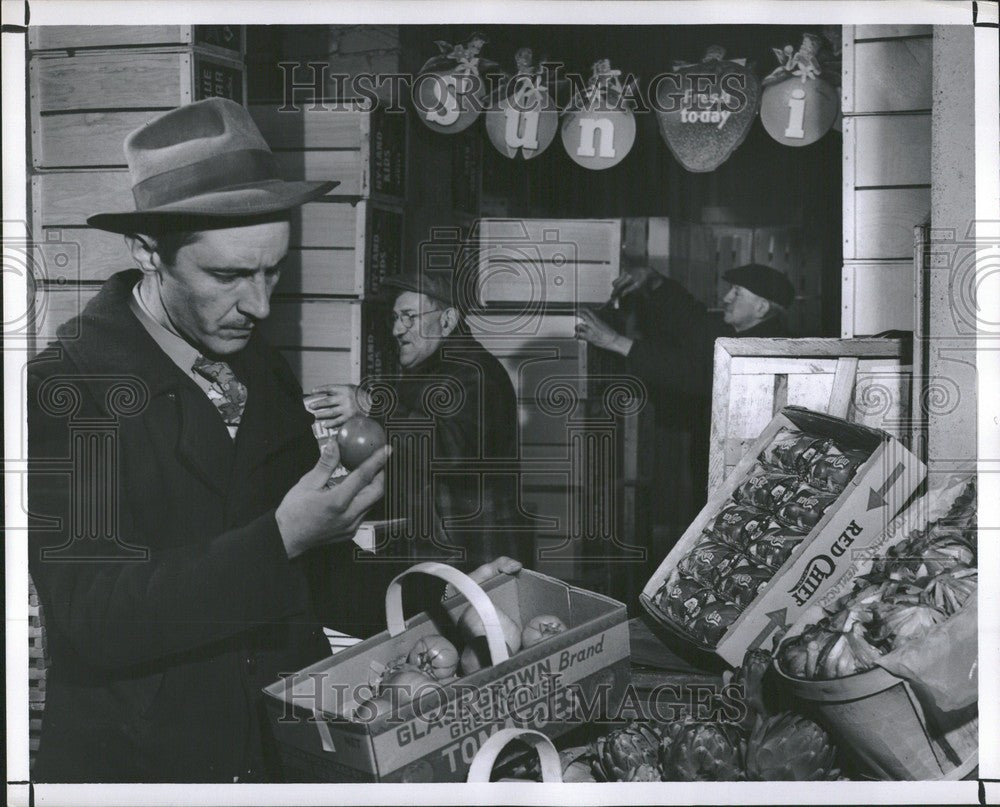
(449, 384)
(674, 356)
(184, 577)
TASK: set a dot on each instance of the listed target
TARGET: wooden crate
(330, 341)
(38, 661)
(336, 248)
(865, 380)
(55, 305)
(83, 105)
(365, 151)
(226, 40)
(548, 261)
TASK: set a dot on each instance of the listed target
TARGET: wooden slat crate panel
(84, 139)
(225, 40)
(889, 31)
(63, 37)
(881, 221)
(55, 306)
(533, 349)
(365, 151)
(111, 81)
(889, 76)
(755, 378)
(324, 324)
(322, 271)
(345, 165)
(315, 368)
(888, 149)
(307, 129)
(877, 297)
(67, 199)
(548, 261)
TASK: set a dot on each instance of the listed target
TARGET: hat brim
(247, 202)
(390, 288)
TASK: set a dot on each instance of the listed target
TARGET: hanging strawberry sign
(705, 110)
(525, 120)
(798, 105)
(450, 90)
(599, 130)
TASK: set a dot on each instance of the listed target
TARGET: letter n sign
(597, 139)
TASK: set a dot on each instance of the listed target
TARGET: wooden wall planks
(887, 144)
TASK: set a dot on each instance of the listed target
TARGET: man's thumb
(329, 459)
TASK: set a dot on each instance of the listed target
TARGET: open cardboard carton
(575, 676)
(856, 519)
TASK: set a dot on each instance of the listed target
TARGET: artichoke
(750, 678)
(622, 751)
(644, 773)
(950, 590)
(576, 764)
(947, 552)
(790, 747)
(703, 752)
(906, 623)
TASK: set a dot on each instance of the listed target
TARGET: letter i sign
(797, 111)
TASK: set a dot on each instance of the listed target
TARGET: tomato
(358, 439)
(541, 628)
(406, 682)
(471, 626)
(475, 656)
(435, 656)
(373, 708)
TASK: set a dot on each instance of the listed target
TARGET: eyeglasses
(407, 319)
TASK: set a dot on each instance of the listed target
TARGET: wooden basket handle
(483, 762)
(465, 586)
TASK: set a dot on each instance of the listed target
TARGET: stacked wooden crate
(343, 245)
(534, 274)
(89, 86)
(38, 659)
(887, 171)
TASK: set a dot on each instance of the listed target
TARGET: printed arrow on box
(776, 621)
(876, 498)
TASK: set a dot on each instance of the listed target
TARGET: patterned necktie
(227, 392)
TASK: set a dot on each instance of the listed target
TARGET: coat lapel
(274, 416)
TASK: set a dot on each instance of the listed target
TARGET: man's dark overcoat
(157, 662)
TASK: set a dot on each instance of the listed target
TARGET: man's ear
(449, 321)
(143, 251)
(763, 307)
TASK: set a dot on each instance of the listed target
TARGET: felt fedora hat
(203, 161)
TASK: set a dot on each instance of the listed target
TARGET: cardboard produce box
(580, 674)
(858, 515)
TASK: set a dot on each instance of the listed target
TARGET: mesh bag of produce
(766, 488)
(837, 466)
(737, 525)
(794, 451)
(805, 508)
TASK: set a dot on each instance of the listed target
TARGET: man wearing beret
(675, 355)
(450, 386)
(176, 566)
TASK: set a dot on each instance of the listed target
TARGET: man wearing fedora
(675, 357)
(182, 578)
